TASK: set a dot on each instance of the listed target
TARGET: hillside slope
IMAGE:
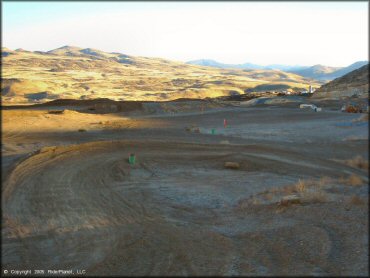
(321, 72)
(316, 71)
(76, 73)
(343, 71)
(353, 83)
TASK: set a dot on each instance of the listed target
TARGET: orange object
(352, 109)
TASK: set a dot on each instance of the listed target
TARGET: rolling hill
(354, 83)
(213, 63)
(343, 71)
(326, 73)
(318, 72)
(76, 73)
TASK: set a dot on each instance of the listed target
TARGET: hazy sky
(329, 33)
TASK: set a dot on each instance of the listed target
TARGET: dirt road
(71, 200)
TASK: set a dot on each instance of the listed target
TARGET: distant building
(310, 89)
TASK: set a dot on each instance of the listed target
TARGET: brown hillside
(76, 73)
(353, 83)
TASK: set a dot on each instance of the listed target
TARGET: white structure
(310, 89)
(311, 106)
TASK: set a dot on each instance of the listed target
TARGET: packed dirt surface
(296, 204)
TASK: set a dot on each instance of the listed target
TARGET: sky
(290, 33)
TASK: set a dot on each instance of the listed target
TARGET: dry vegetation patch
(355, 162)
(303, 192)
(352, 180)
(358, 162)
(357, 201)
(232, 165)
(314, 196)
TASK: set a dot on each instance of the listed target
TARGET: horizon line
(186, 62)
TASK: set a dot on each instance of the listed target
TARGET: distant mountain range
(215, 64)
(318, 72)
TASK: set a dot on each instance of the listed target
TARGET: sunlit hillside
(72, 72)
(354, 83)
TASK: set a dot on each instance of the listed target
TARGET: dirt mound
(101, 105)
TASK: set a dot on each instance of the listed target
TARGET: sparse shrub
(305, 191)
(309, 190)
(289, 189)
(82, 130)
(358, 162)
(300, 186)
(255, 201)
(268, 196)
(289, 200)
(232, 165)
(354, 180)
(316, 196)
(324, 181)
(356, 200)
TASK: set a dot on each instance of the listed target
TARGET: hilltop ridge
(319, 72)
(354, 83)
(87, 73)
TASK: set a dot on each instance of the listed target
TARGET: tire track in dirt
(71, 208)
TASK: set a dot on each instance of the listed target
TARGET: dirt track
(178, 211)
